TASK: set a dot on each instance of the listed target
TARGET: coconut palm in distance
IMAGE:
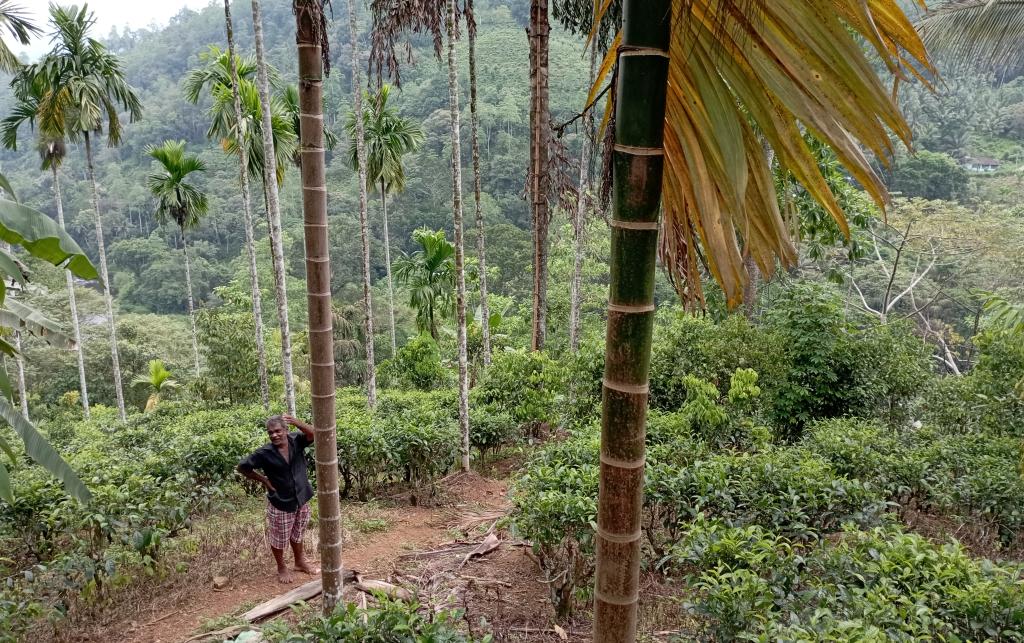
(181, 202)
(388, 137)
(429, 275)
(158, 383)
(14, 20)
(82, 89)
(52, 151)
(700, 85)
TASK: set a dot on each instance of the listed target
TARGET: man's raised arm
(307, 430)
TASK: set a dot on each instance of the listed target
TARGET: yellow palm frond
(749, 73)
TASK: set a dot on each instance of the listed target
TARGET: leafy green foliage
(880, 584)
(930, 175)
(417, 365)
(389, 621)
(524, 384)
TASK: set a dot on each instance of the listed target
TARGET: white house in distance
(980, 164)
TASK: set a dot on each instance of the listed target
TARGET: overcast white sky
(109, 13)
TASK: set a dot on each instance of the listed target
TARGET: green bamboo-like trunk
(637, 172)
(308, 36)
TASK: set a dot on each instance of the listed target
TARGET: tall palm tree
(250, 237)
(976, 32)
(82, 88)
(14, 19)
(311, 37)
(429, 274)
(474, 135)
(699, 84)
(158, 383)
(388, 138)
(359, 138)
(288, 98)
(52, 151)
(391, 19)
(460, 261)
(273, 208)
(181, 202)
(538, 32)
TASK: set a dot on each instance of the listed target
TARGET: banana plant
(43, 239)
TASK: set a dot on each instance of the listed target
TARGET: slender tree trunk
(101, 250)
(474, 130)
(191, 302)
(387, 264)
(579, 222)
(364, 228)
(309, 21)
(250, 243)
(274, 210)
(750, 288)
(637, 173)
(22, 390)
(72, 304)
(460, 260)
(540, 124)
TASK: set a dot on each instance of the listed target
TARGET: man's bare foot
(306, 568)
(284, 576)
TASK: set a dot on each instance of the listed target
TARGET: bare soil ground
(502, 592)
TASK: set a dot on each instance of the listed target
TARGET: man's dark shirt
(288, 478)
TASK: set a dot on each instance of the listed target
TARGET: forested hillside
(792, 407)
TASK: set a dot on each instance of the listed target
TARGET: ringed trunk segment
(637, 173)
(318, 289)
(72, 302)
(107, 299)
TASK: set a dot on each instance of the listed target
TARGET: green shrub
(974, 478)
(390, 621)
(698, 347)
(416, 366)
(583, 386)
(881, 584)
(523, 384)
(489, 429)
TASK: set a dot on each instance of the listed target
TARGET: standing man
(283, 463)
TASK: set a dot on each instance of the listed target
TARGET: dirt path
(466, 504)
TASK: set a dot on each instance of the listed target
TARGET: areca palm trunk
(539, 34)
(22, 389)
(107, 299)
(637, 172)
(308, 25)
(273, 210)
(387, 265)
(460, 273)
(250, 242)
(191, 302)
(364, 228)
(474, 131)
(579, 225)
(72, 302)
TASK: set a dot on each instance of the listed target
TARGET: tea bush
(389, 621)
(417, 365)
(521, 383)
(875, 585)
(973, 477)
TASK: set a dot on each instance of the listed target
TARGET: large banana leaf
(15, 314)
(745, 74)
(40, 450)
(43, 238)
(6, 493)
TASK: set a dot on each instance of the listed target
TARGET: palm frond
(746, 71)
(15, 20)
(976, 32)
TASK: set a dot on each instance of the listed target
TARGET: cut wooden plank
(312, 589)
(393, 591)
(301, 593)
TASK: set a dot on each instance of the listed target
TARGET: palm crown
(429, 273)
(388, 138)
(178, 200)
(15, 21)
(80, 85)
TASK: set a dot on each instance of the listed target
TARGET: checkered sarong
(284, 526)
